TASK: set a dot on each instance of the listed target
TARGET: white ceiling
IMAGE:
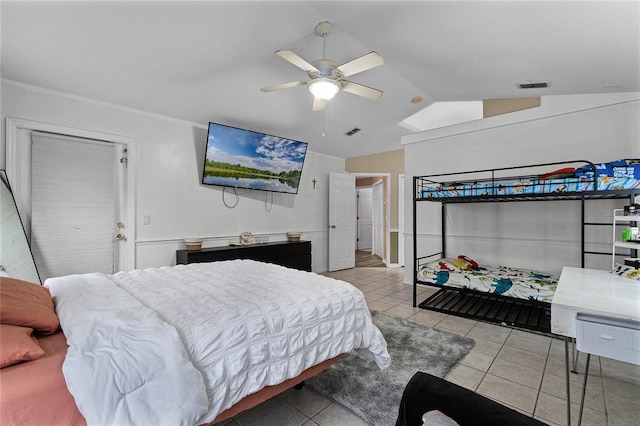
(206, 61)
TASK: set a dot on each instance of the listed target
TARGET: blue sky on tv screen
(251, 149)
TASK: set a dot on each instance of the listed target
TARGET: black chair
(425, 392)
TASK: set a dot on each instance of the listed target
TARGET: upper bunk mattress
(502, 280)
(613, 176)
(530, 186)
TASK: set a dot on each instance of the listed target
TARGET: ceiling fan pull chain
(322, 123)
(324, 46)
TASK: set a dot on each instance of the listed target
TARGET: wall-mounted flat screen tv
(241, 158)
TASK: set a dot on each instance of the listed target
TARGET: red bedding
(35, 393)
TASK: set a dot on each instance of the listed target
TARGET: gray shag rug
(374, 395)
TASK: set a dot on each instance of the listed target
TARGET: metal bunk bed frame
(521, 313)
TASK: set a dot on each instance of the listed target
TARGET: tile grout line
(493, 360)
(546, 362)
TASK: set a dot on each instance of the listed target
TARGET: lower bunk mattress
(505, 281)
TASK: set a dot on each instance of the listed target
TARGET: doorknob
(332, 227)
(120, 237)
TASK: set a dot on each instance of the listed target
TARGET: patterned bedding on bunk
(616, 175)
(502, 280)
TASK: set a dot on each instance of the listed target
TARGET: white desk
(596, 294)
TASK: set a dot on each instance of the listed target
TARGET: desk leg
(584, 388)
(566, 367)
(575, 353)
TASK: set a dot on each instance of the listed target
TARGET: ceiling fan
(326, 76)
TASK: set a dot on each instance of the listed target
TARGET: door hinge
(124, 160)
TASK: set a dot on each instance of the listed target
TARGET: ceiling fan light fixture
(324, 88)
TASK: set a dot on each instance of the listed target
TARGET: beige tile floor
(516, 368)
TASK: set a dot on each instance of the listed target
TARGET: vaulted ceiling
(206, 61)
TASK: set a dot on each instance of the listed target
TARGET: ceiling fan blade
(296, 60)
(363, 63)
(318, 105)
(361, 90)
(283, 86)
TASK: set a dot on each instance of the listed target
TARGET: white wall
(540, 235)
(169, 159)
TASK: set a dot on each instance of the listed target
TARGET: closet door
(73, 205)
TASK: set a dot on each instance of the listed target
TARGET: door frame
(378, 187)
(387, 222)
(401, 219)
(18, 168)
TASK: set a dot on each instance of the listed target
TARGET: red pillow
(28, 305)
(17, 345)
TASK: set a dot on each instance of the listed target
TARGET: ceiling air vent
(532, 85)
(352, 131)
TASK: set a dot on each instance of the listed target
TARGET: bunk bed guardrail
(506, 183)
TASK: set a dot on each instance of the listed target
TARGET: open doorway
(372, 217)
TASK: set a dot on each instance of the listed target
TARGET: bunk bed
(512, 296)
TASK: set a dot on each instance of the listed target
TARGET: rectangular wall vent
(532, 85)
(352, 131)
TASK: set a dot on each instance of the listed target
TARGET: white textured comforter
(178, 345)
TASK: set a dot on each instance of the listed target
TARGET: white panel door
(342, 221)
(378, 220)
(73, 218)
(365, 218)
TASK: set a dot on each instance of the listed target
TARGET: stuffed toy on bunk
(465, 263)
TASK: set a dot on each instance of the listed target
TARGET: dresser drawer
(609, 337)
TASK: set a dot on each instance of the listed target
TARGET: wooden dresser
(295, 255)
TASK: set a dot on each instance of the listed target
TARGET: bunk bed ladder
(632, 253)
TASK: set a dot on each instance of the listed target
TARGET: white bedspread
(178, 345)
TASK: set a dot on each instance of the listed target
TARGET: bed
(190, 344)
(501, 294)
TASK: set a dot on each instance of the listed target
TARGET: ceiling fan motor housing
(326, 69)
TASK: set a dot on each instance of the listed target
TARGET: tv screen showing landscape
(241, 158)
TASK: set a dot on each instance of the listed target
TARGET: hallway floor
(364, 258)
